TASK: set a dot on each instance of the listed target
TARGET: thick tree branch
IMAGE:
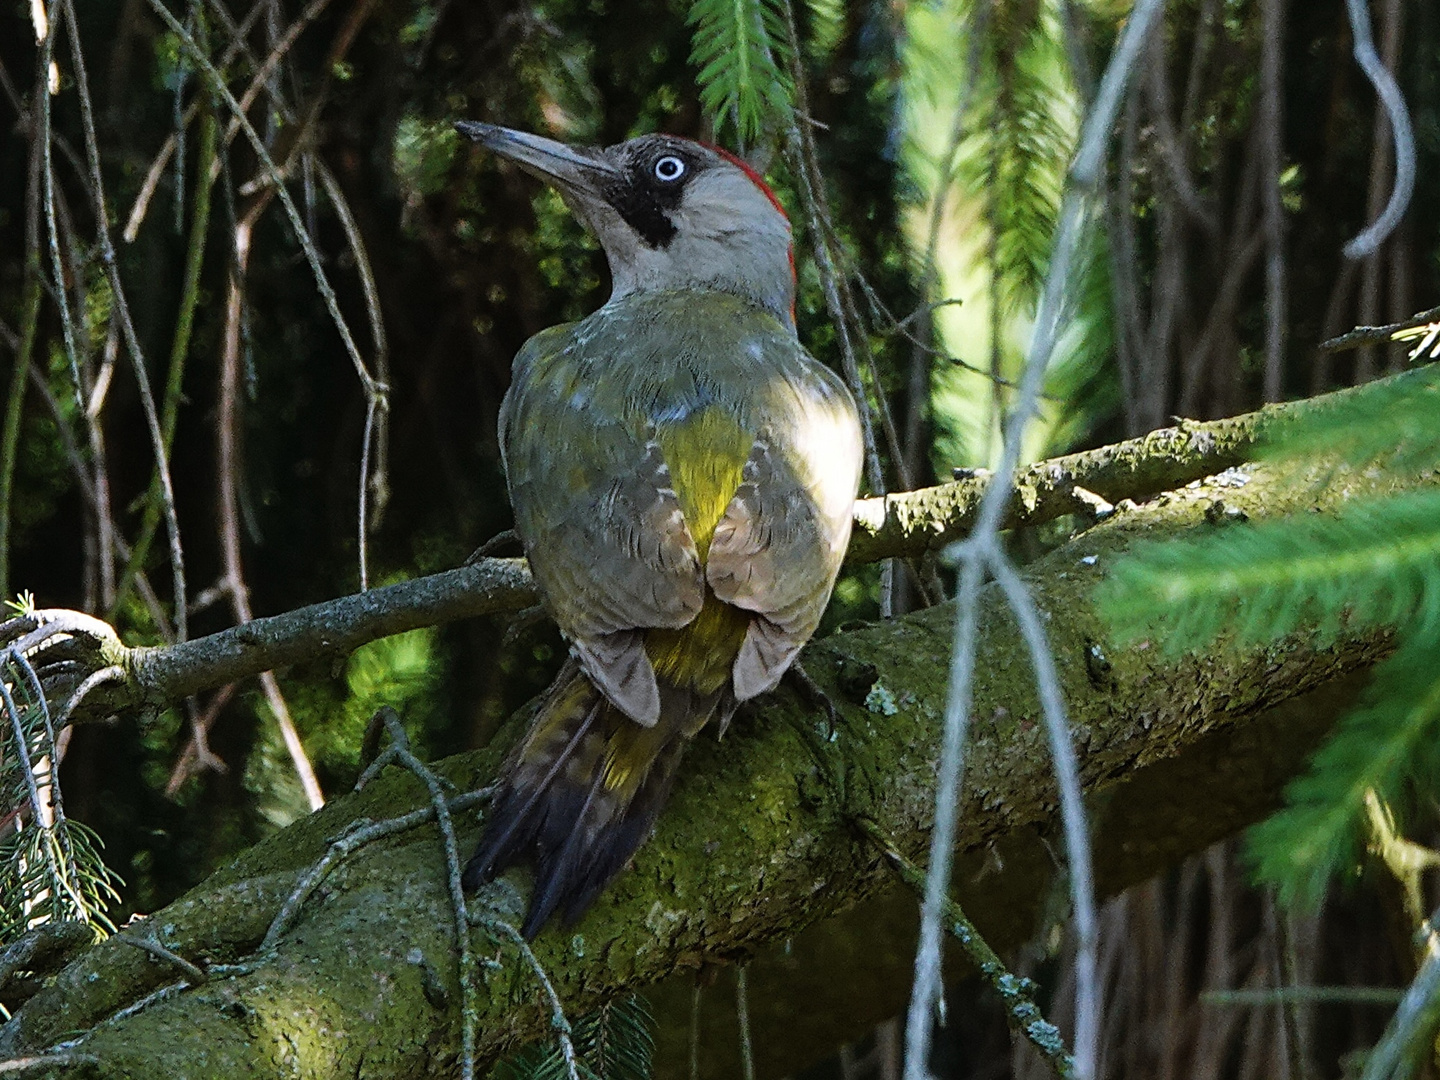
(904, 524)
(758, 843)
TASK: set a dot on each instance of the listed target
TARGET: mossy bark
(757, 844)
(903, 524)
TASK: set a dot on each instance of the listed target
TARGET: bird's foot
(814, 694)
(499, 542)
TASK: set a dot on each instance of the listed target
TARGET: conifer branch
(740, 46)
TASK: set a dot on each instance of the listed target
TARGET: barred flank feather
(581, 794)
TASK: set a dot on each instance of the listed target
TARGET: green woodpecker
(683, 476)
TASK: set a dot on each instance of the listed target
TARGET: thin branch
(1380, 185)
(983, 551)
(1017, 995)
(194, 975)
(398, 752)
(304, 770)
(1393, 103)
(263, 78)
(122, 309)
(352, 840)
(277, 182)
(229, 471)
(374, 454)
(197, 754)
(558, 1023)
(1364, 335)
(157, 168)
(1271, 121)
(15, 399)
(43, 93)
(180, 343)
(113, 673)
(96, 501)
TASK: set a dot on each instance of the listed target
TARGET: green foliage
(1019, 149)
(405, 672)
(615, 1042)
(422, 155)
(50, 866)
(1392, 424)
(1377, 563)
(1387, 745)
(741, 48)
(1367, 564)
(996, 167)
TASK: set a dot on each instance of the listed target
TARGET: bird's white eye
(668, 169)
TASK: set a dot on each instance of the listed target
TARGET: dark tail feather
(580, 796)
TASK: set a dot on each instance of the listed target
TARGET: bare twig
(1393, 103)
(374, 456)
(1271, 121)
(375, 390)
(113, 673)
(229, 470)
(399, 753)
(194, 975)
(44, 90)
(97, 501)
(354, 838)
(197, 754)
(122, 310)
(162, 159)
(983, 551)
(180, 344)
(1018, 995)
(276, 180)
(1363, 335)
(558, 1022)
(24, 353)
(1380, 185)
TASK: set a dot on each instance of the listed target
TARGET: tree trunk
(757, 844)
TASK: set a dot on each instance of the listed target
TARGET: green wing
(766, 455)
(599, 519)
(779, 546)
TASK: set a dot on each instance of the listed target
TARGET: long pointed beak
(575, 170)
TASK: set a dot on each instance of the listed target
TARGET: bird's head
(670, 213)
